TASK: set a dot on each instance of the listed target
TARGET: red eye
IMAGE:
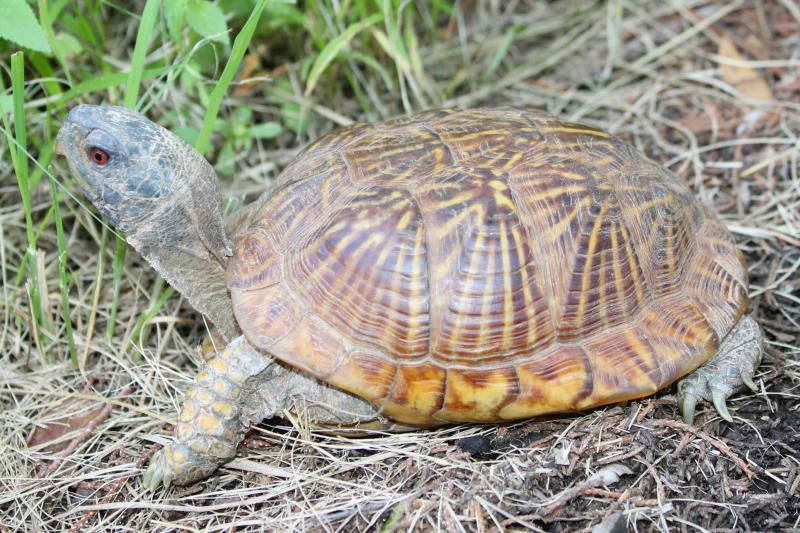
(100, 157)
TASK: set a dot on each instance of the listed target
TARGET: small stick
(716, 443)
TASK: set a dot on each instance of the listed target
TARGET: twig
(716, 443)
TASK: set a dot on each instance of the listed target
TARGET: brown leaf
(745, 79)
(56, 435)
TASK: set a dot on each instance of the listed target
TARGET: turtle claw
(748, 381)
(721, 376)
(718, 397)
(686, 403)
(157, 473)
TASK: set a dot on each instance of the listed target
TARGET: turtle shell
(484, 265)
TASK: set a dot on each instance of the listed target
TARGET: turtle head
(124, 163)
(160, 192)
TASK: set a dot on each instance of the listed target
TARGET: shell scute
(486, 290)
(365, 374)
(498, 138)
(624, 366)
(365, 271)
(589, 257)
(478, 395)
(407, 152)
(312, 185)
(554, 382)
(417, 394)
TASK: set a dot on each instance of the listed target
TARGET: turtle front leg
(214, 417)
(733, 366)
(238, 388)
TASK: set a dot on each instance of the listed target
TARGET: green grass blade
(47, 26)
(146, 26)
(63, 275)
(20, 161)
(119, 263)
(106, 81)
(240, 45)
(139, 330)
(335, 46)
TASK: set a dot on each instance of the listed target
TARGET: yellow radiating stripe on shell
(602, 306)
(618, 285)
(669, 244)
(405, 220)
(587, 266)
(653, 203)
(498, 185)
(508, 301)
(555, 192)
(558, 230)
(633, 261)
(530, 312)
(564, 174)
(579, 131)
(512, 161)
(503, 200)
(416, 317)
(395, 286)
(474, 261)
(488, 291)
(462, 197)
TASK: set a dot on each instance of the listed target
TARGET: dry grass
(651, 75)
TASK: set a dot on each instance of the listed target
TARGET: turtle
(451, 266)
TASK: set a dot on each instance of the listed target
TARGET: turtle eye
(99, 156)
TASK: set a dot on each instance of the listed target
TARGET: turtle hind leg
(732, 367)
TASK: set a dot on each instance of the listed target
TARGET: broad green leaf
(18, 24)
(68, 45)
(225, 160)
(242, 115)
(208, 20)
(186, 133)
(175, 13)
(333, 48)
(293, 115)
(267, 130)
(6, 104)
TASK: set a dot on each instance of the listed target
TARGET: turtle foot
(724, 374)
(176, 464)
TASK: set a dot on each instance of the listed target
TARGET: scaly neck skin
(184, 240)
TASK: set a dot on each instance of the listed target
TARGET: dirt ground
(710, 89)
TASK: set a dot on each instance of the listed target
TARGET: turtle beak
(60, 139)
(69, 133)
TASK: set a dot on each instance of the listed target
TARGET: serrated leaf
(208, 20)
(333, 48)
(267, 130)
(18, 24)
